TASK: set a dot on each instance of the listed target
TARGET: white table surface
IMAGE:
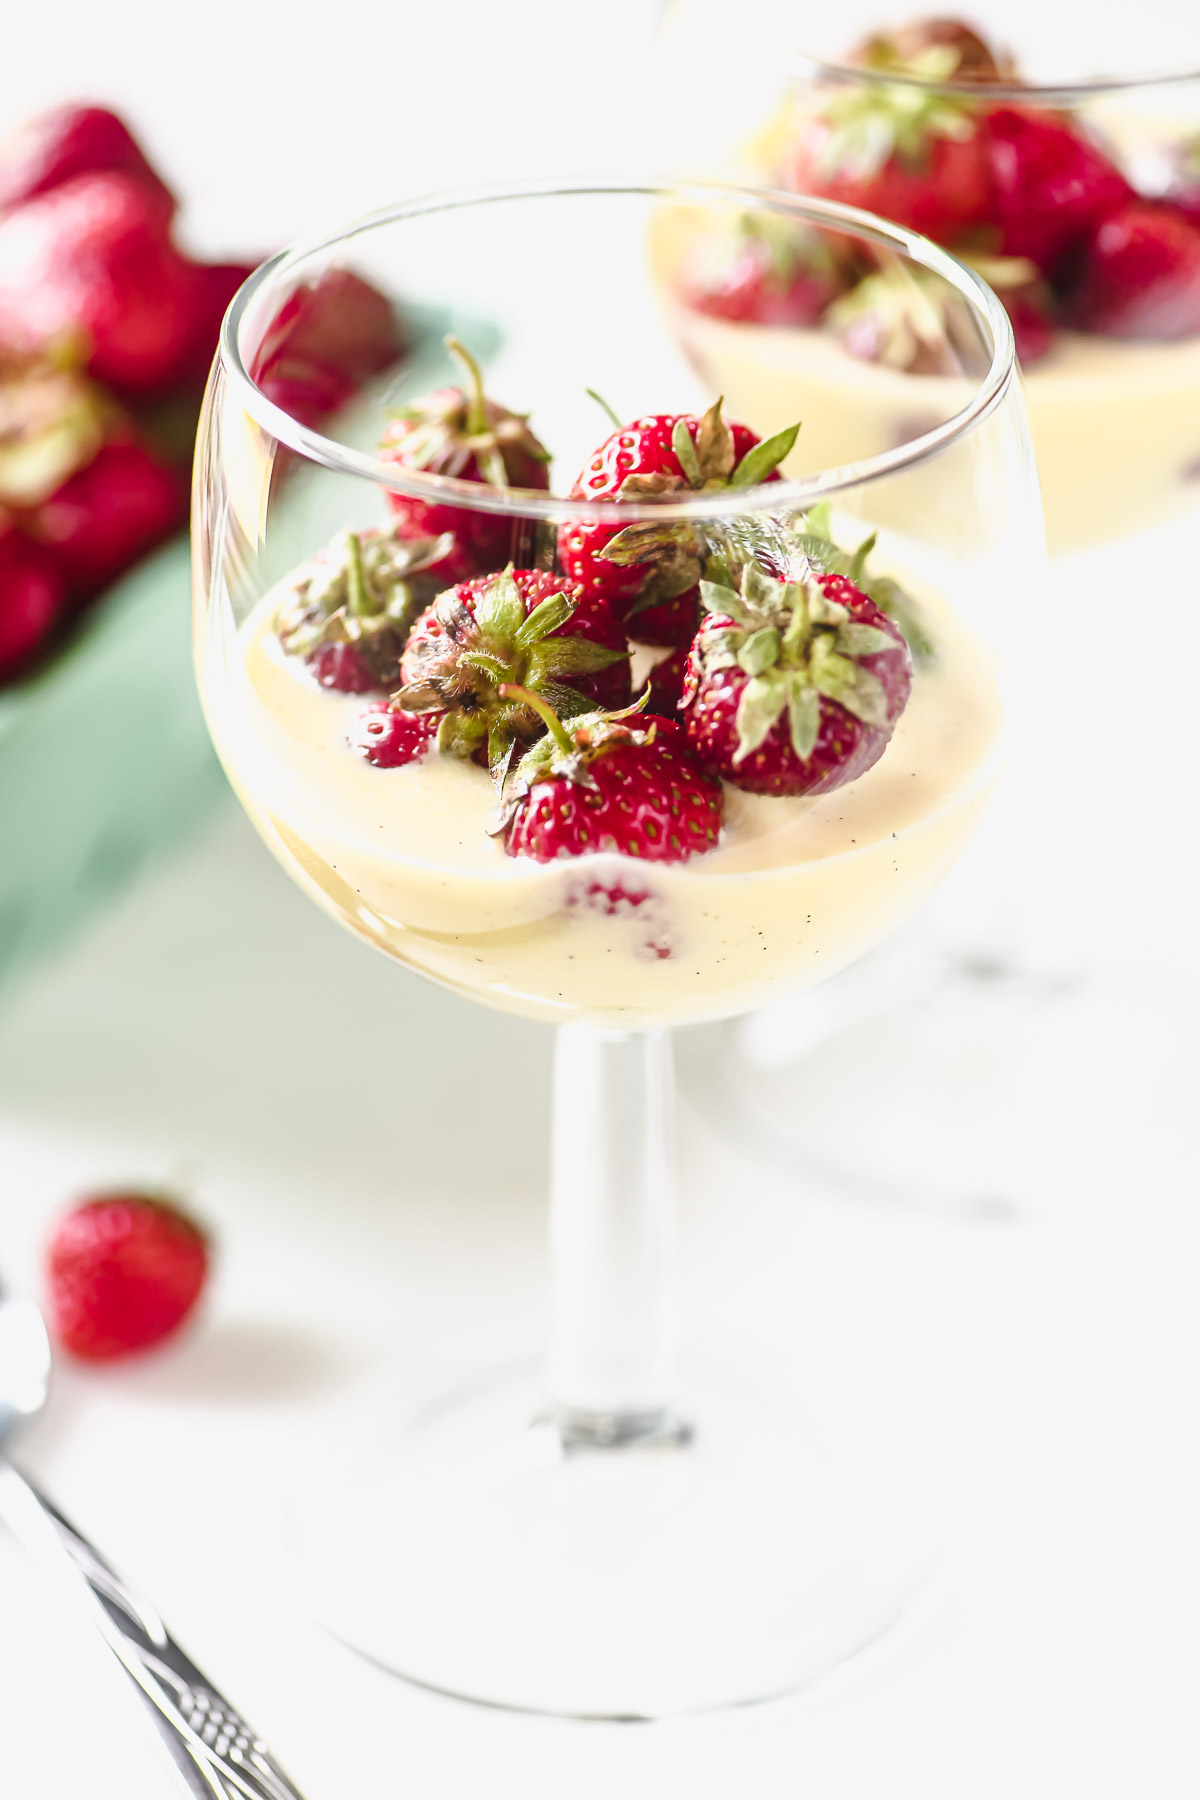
(1038, 1366)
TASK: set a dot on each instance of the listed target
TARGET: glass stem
(614, 1324)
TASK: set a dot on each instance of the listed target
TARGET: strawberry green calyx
(707, 463)
(568, 750)
(460, 432)
(365, 590)
(797, 647)
(817, 544)
(52, 423)
(872, 122)
(478, 655)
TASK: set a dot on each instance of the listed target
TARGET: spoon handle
(215, 1752)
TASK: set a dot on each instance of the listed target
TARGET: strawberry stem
(509, 690)
(476, 411)
(602, 403)
(358, 599)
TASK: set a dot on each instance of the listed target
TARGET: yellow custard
(795, 889)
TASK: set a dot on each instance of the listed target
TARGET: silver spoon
(214, 1751)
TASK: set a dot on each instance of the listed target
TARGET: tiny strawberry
(764, 272)
(89, 264)
(523, 628)
(660, 454)
(793, 687)
(1051, 185)
(668, 624)
(461, 433)
(348, 612)
(607, 784)
(32, 597)
(108, 514)
(904, 149)
(1140, 276)
(389, 737)
(124, 1271)
(68, 141)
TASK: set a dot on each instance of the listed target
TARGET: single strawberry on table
(614, 784)
(1139, 276)
(123, 1271)
(793, 687)
(658, 456)
(460, 432)
(524, 628)
(348, 612)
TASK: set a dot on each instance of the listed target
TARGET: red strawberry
(671, 624)
(522, 628)
(32, 594)
(124, 1271)
(905, 149)
(348, 612)
(109, 514)
(389, 737)
(662, 453)
(1184, 190)
(90, 263)
(944, 49)
(1051, 184)
(1140, 276)
(68, 141)
(327, 338)
(213, 287)
(765, 272)
(460, 432)
(793, 688)
(603, 784)
(665, 682)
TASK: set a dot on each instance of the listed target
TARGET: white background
(1040, 1366)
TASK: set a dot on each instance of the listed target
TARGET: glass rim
(1059, 93)
(530, 503)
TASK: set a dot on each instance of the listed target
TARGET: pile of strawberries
(1023, 192)
(776, 664)
(107, 331)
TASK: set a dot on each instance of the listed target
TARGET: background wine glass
(1024, 963)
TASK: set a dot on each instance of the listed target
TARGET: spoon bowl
(24, 1363)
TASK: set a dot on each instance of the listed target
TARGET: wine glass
(607, 1539)
(1065, 166)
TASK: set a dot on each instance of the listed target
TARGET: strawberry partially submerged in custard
(522, 629)
(660, 455)
(793, 687)
(610, 784)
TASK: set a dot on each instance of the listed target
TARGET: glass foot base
(707, 1567)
